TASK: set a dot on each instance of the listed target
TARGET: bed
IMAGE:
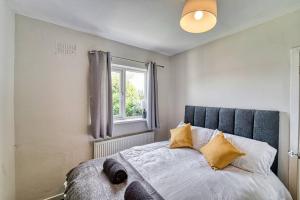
(179, 174)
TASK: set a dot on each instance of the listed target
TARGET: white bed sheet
(183, 174)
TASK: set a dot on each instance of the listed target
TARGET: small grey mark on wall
(65, 49)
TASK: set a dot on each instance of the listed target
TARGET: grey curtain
(100, 94)
(152, 98)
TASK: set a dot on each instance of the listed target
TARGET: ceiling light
(199, 16)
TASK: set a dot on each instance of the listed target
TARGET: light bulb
(198, 15)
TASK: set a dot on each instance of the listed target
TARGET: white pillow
(259, 155)
(181, 123)
(200, 136)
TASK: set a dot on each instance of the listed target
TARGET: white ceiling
(151, 24)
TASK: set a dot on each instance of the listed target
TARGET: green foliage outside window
(133, 100)
(134, 97)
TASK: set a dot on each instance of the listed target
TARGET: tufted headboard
(259, 125)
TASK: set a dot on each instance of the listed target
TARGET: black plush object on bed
(115, 171)
(259, 125)
(135, 191)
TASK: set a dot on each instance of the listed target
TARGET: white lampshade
(199, 16)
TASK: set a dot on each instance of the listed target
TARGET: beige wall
(51, 109)
(7, 153)
(249, 69)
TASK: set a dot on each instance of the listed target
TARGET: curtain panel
(152, 97)
(100, 93)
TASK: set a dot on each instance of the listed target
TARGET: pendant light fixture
(199, 16)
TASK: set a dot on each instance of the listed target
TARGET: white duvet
(183, 174)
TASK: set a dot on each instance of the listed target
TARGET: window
(128, 92)
(116, 91)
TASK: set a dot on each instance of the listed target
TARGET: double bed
(179, 174)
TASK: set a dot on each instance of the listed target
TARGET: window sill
(128, 121)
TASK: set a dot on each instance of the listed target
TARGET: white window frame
(123, 69)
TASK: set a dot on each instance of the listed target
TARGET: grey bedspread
(87, 181)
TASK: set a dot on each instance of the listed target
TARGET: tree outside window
(128, 92)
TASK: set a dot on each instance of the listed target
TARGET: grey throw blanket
(87, 181)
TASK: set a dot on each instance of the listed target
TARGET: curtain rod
(137, 61)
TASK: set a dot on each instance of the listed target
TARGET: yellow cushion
(219, 152)
(181, 137)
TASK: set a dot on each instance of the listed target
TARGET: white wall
(249, 69)
(7, 154)
(51, 108)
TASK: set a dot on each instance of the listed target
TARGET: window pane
(116, 92)
(135, 93)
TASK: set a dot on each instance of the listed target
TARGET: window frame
(117, 70)
(123, 69)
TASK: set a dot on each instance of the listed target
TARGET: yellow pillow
(219, 152)
(181, 137)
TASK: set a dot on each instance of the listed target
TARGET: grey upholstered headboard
(255, 124)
